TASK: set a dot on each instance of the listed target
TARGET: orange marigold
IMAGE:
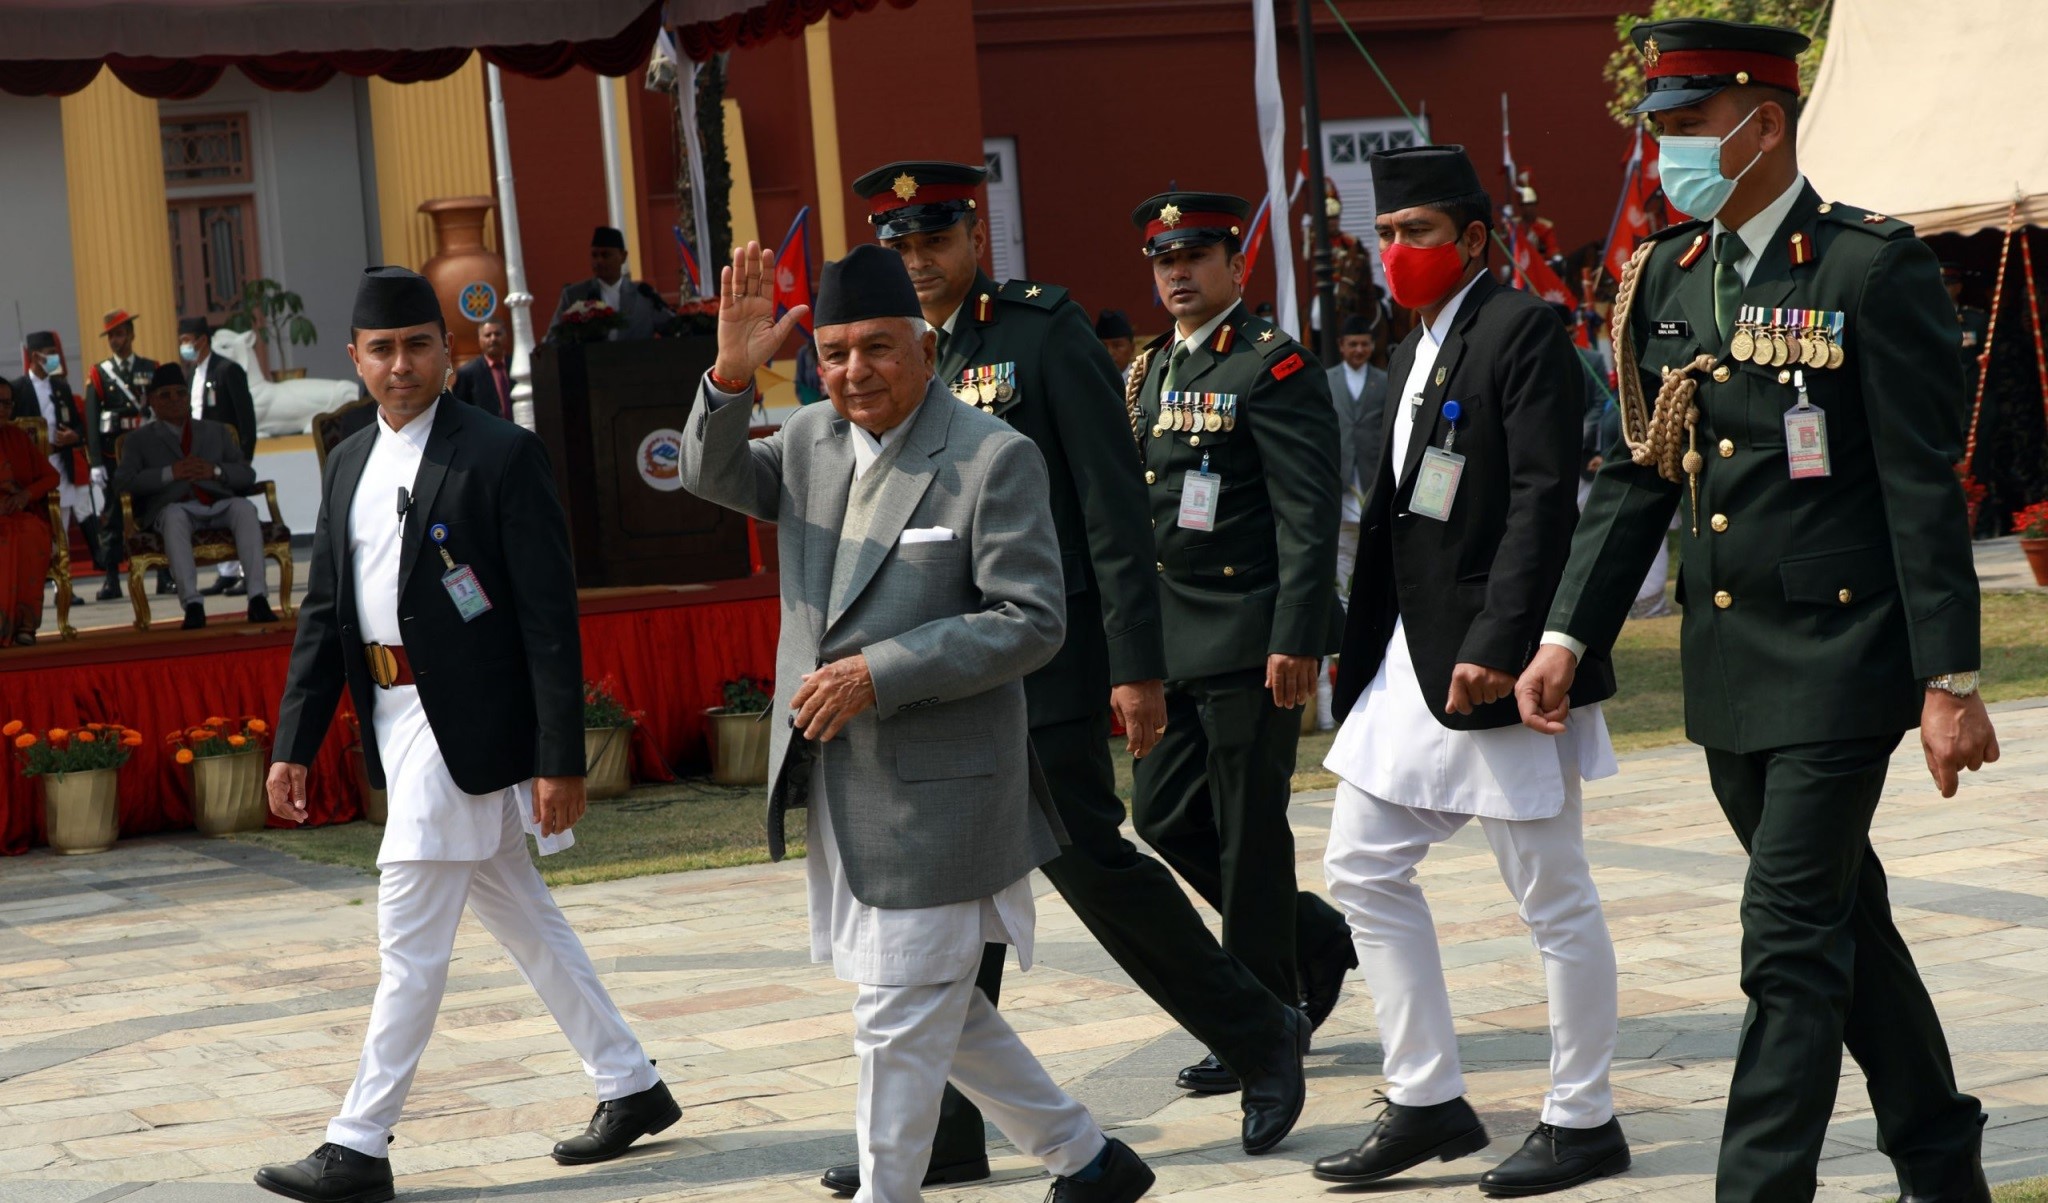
(86, 737)
(131, 739)
(214, 720)
(258, 726)
(184, 756)
(12, 729)
(200, 733)
(25, 740)
(237, 741)
(57, 733)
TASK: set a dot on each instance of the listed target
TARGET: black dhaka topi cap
(195, 326)
(1685, 61)
(40, 340)
(390, 298)
(607, 238)
(166, 374)
(1111, 323)
(1422, 175)
(1355, 324)
(870, 282)
(918, 196)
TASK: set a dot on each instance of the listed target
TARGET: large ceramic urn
(468, 276)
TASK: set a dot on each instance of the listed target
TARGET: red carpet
(668, 649)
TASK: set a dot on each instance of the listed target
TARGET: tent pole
(517, 299)
(608, 127)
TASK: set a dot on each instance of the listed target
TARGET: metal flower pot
(227, 793)
(80, 811)
(604, 755)
(739, 747)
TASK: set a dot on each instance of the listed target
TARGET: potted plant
(2031, 525)
(739, 732)
(81, 775)
(607, 735)
(227, 758)
(374, 800)
(275, 315)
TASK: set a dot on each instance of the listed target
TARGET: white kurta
(430, 817)
(1392, 746)
(897, 946)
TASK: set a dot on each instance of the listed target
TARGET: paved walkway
(180, 1011)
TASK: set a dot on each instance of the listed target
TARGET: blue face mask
(1690, 169)
(53, 364)
(188, 352)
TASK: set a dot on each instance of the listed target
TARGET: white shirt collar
(1205, 332)
(1757, 232)
(1440, 329)
(952, 318)
(199, 385)
(610, 292)
(414, 432)
(1355, 377)
(867, 448)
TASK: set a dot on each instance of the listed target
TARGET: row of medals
(1804, 338)
(984, 392)
(1181, 416)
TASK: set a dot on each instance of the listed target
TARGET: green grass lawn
(2033, 1190)
(698, 825)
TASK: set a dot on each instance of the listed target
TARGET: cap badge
(1651, 53)
(905, 186)
(1169, 216)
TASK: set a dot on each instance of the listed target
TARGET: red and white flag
(1639, 214)
(793, 268)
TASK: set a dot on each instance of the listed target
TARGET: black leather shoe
(236, 586)
(24, 638)
(1124, 1180)
(1962, 1182)
(260, 611)
(1554, 1158)
(332, 1174)
(164, 583)
(1208, 1076)
(844, 1180)
(1322, 979)
(110, 588)
(1405, 1137)
(617, 1123)
(1275, 1090)
(218, 587)
(195, 617)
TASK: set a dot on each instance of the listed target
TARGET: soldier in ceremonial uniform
(1804, 435)
(116, 402)
(1239, 442)
(1114, 331)
(1027, 353)
(1975, 326)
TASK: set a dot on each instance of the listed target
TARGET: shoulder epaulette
(1673, 231)
(1876, 224)
(1027, 292)
(1267, 338)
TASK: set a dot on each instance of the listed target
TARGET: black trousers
(1823, 966)
(1133, 906)
(1211, 798)
(113, 543)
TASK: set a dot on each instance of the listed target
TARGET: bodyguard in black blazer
(227, 399)
(509, 680)
(1475, 589)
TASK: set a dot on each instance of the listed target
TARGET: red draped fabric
(670, 653)
(766, 22)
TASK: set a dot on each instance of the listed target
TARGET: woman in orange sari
(26, 478)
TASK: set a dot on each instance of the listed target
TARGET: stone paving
(180, 1011)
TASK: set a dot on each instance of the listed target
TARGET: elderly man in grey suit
(642, 312)
(186, 474)
(1359, 391)
(921, 582)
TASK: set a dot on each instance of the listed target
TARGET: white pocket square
(927, 534)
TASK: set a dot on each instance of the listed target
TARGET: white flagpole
(517, 299)
(1272, 115)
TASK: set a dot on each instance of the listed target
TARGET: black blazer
(503, 693)
(474, 386)
(1475, 589)
(69, 417)
(228, 401)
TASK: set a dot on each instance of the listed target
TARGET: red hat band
(1766, 69)
(890, 199)
(1184, 222)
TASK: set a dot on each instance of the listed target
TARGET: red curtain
(669, 656)
(183, 79)
(766, 22)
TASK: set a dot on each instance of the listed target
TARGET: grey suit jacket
(147, 454)
(1358, 425)
(640, 313)
(935, 795)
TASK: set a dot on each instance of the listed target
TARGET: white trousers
(419, 904)
(180, 518)
(910, 1040)
(1370, 865)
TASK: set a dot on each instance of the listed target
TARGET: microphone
(404, 502)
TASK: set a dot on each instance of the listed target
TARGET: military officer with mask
(1027, 353)
(1239, 444)
(1789, 380)
(116, 402)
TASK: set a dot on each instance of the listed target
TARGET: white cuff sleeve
(1560, 639)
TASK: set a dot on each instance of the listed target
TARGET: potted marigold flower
(739, 732)
(81, 770)
(227, 757)
(588, 322)
(2031, 525)
(375, 807)
(607, 736)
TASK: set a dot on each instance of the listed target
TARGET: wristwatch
(1961, 685)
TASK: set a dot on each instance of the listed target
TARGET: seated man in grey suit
(1359, 391)
(921, 582)
(185, 474)
(641, 310)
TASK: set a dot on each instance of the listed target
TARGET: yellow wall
(432, 140)
(120, 228)
(825, 140)
(746, 227)
(629, 182)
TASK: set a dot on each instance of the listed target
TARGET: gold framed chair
(60, 536)
(337, 424)
(146, 548)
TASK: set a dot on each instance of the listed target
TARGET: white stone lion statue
(282, 406)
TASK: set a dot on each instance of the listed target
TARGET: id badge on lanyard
(1201, 494)
(1437, 476)
(460, 579)
(1806, 437)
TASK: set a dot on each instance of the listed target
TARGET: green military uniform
(1251, 407)
(116, 402)
(1815, 607)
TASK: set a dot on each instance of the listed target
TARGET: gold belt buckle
(383, 665)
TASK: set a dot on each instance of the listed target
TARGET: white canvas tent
(1927, 111)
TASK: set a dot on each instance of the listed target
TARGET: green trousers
(1823, 966)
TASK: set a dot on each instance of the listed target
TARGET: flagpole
(1319, 212)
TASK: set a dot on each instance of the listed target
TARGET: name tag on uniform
(1436, 483)
(1199, 494)
(1806, 439)
(460, 580)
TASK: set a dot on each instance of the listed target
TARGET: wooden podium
(612, 415)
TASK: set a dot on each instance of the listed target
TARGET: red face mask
(1420, 276)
